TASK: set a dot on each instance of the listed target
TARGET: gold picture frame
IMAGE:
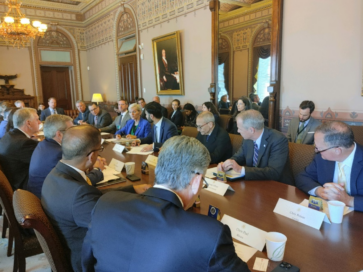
(168, 64)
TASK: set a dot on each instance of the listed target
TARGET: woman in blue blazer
(136, 127)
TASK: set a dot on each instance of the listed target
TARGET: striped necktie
(96, 120)
(255, 154)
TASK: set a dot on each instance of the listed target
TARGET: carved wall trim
(231, 62)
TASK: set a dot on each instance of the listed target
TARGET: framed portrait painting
(168, 64)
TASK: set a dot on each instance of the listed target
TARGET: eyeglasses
(94, 109)
(317, 151)
(100, 150)
(199, 127)
(204, 181)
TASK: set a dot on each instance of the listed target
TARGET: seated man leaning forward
(137, 127)
(51, 149)
(213, 137)
(98, 117)
(264, 154)
(68, 197)
(336, 173)
(162, 130)
(157, 223)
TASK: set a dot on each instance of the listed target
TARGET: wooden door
(128, 78)
(56, 83)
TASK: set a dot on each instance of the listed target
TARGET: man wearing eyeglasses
(98, 118)
(213, 137)
(68, 196)
(157, 222)
(336, 171)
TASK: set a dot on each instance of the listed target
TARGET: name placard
(301, 214)
(152, 160)
(217, 187)
(118, 148)
(117, 165)
(245, 233)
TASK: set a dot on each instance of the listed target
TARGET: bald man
(164, 111)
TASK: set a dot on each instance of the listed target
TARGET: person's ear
(195, 183)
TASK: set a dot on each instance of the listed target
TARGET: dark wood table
(335, 247)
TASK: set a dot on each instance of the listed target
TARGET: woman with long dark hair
(243, 104)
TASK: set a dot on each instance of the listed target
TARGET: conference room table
(335, 247)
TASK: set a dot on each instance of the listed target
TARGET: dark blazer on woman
(142, 130)
(177, 118)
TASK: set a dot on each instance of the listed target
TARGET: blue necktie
(255, 154)
(207, 138)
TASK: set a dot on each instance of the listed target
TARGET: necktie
(207, 138)
(299, 133)
(173, 114)
(96, 120)
(255, 154)
(88, 181)
(341, 177)
(121, 116)
(82, 115)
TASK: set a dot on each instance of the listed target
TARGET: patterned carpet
(37, 263)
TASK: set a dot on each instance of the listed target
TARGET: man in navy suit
(68, 196)
(49, 152)
(264, 154)
(83, 113)
(17, 147)
(213, 137)
(52, 109)
(157, 222)
(162, 130)
(336, 173)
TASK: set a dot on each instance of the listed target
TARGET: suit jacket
(177, 118)
(308, 132)
(3, 125)
(167, 130)
(45, 157)
(164, 112)
(142, 130)
(155, 222)
(273, 158)
(218, 144)
(321, 171)
(45, 113)
(16, 150)
(104, 119)
(255, 106)
(68, 201)
(113, 127)
(82, 116)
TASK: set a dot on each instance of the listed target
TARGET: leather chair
(358, 134)
(72, 113)
(30, 214)
(236, 141)
(26, 244)
(300, 156)
(190, 131)
(224, 120)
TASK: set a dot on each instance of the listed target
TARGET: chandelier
(16, 29)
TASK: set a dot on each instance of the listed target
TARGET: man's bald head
(156, 99)
(336, 133)
(78, 141)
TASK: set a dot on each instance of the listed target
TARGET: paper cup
(275, 245)
(130, 168)
(336, 211)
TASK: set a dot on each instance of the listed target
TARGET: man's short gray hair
(180, 158)
(18, 103)
(135, 105)
(55, 122)
(207, 117)
(251, 118)
(336, 133)
(80, 101)
(22, 115)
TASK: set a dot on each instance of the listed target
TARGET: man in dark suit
(264, 154)
(164, 111)
(168, 72)
(336, 173)
(121, 120)
(142, 103)
(255, 101)
(52, 109)
(83, 113)
(162, 130)
(49, 152)
(67, 194)
(98, 118)
(157, 222)
(301, 129)
(17, 147)
(213, 137)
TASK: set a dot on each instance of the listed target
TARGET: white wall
(322, 54)
(195, 30)
(83, 63)
(102, 73)
(17, 61)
